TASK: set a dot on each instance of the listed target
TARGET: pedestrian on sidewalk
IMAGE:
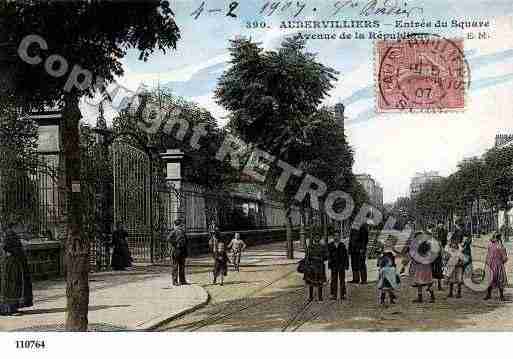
(467, 256)
(388, 278)
(420, 254)
(358, 241)
(437, 267)
(495, 260)
(237, 246)
(315, 272)
(338, 263)
(178, 247)
(215, 238)
(455, 267)
(221, 261)
(15, 278)
(121, 257)
(441, 234)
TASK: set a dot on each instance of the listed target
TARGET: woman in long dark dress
(16, 281)
(121, 258)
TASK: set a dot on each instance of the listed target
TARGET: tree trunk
(76, 245)
(478, 220)
(506, 224)
(324, 226)
(311, 226)
(290, 242)
(471, 220)
(302, 237)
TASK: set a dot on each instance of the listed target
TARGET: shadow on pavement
(62, 310)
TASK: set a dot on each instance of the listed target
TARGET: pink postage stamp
(421, 73)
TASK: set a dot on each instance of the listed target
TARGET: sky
(390, 147)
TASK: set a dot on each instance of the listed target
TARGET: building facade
(503, 140)
(372, 188)
(421, 179)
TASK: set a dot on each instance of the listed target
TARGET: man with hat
(338, 263)
(178, 245)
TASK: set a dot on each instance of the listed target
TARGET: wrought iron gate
(144, 202)
(132, 188)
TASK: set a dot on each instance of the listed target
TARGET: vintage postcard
(255, 166)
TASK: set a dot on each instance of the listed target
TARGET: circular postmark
(423, 72)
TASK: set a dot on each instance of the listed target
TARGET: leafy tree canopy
(93, 34)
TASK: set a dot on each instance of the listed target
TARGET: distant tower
(101, 126)
(339, 114)
(503, 139)
(100, 121)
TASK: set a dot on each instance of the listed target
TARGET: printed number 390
(30, 344)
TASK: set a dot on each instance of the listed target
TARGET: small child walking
(237, 246)
(455, 268)
(388, 279)
(220, 263)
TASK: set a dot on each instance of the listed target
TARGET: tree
(200, 165)
(92, 35)
(471, 176)
(499, 180)
(328, 157)
(272, 97)
(18, 138)
(18, 161)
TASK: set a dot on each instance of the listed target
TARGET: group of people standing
(177, 242)
(430, 255)
(338, 257)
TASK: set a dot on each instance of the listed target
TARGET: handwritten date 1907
(365, 8)
(297, 8)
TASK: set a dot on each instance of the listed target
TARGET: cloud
(208, 103)
(181, 74)
(200, 83)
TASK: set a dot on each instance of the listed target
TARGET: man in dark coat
(178, 245)
(358, 241)
(338, 263)
(441, 234)
(364, 241)
(354, 252)
(457, 235)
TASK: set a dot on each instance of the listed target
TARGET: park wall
(198, 242)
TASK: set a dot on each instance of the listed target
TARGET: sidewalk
(137, 299)
(119, 301)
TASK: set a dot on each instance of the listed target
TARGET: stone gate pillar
(173, 161)
(52, 190)
(175, 202)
